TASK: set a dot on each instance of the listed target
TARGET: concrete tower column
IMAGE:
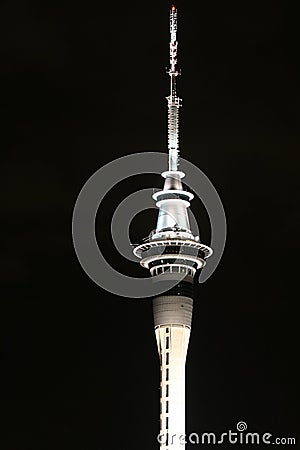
(172, 322)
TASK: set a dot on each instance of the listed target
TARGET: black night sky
(83, 83)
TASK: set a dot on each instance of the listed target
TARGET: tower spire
(174, 102)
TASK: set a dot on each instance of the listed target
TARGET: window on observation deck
(167, 390)
(167, 374)
(167, 406)
(167, 358)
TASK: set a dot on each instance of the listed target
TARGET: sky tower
(173, 252)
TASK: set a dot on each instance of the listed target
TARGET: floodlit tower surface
(173, 250)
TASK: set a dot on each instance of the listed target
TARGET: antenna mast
(174, 102)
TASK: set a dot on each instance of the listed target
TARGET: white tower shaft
(172, 321)
(172, 342)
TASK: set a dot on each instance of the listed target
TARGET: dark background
(83, 83)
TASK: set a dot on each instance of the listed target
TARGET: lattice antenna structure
(174, 102)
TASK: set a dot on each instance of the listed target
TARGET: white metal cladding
(179, 258)
(138, 251)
